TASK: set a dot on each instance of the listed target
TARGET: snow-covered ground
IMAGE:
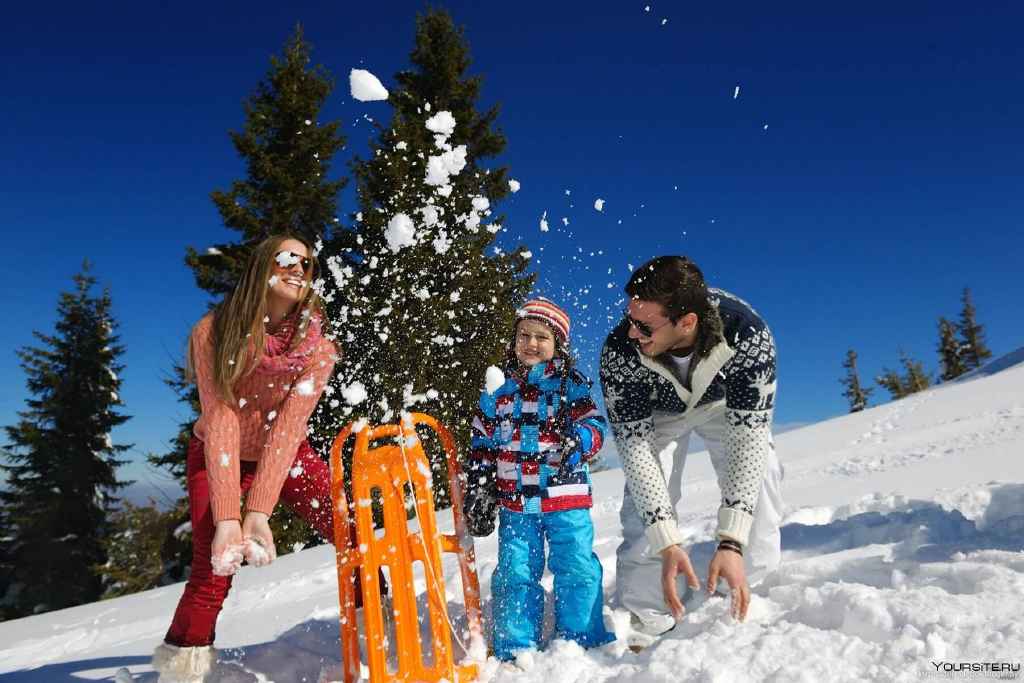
(902, 557)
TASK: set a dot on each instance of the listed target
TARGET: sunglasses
(642, 327)
(287, 259)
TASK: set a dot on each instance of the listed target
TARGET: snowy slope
(902, 550)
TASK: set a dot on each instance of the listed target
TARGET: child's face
(535, 342)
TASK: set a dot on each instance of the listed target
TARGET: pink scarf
(278, 358)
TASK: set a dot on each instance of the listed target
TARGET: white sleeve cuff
(661, 535)
(734, 524)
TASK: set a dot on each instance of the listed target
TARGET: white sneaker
(183, 664)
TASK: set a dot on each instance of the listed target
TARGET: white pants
(638, 570)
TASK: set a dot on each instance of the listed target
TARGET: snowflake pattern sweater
(266, 425)
(739, 370)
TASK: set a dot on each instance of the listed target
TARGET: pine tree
(973, 349)
(61, 480)
(915, 379)
(950, 358)
(423, 308)
(855, 393)
(288, 153)
(891, 381)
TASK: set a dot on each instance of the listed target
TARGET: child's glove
(480, 510)
(572, 453)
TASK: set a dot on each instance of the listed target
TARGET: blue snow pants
(517, 599)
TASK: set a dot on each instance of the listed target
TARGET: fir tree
(423, 308)
(972, 349)
(915, 378)
(61, 480)
(891, 381)
(950, 358)
(855, 393)
(288, 153)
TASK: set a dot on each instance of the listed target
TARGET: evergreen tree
(855, 393)
(423, 308)
(973, 349)
(915, 378)
(61, 480)
(288, 152)
(891, 381)
(133, 547)
(950, 358)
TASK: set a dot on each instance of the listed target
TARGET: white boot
(183, 664)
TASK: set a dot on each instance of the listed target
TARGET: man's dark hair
(675, 282)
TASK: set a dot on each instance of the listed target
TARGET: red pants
(195, 620)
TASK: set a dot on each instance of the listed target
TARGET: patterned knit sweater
(737, 370)
(517, 439)
(266, 425)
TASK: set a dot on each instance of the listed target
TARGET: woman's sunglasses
(287, 259)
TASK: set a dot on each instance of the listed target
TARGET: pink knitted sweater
(266, 425)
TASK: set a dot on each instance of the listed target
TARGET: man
(689, 359)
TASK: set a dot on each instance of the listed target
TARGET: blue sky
(888, 178)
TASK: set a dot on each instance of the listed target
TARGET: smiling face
(289, 280)
(535, 342)
(656, 333)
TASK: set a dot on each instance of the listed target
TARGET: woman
(260, 362)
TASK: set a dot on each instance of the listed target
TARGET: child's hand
(480, 511)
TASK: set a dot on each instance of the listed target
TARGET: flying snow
(365, 86)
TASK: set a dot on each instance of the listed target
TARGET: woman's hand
(226, 549)
(259, 540)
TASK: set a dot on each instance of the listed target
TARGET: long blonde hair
(239, 328)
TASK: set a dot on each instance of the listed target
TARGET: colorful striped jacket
(517, 437)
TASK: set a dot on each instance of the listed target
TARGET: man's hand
(259, 540)
(673, 561)
(729, 565)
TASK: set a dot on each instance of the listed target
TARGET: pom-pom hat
(546, 311)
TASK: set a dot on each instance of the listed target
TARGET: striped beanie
(546, 311)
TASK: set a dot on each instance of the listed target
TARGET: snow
(306, 387)
(514, 185)
(903, 553)
(366, 87)
(401, 232)
(544, 222)
(736, 92)
(442, 123)
(494, 379)
(354, 393)
(599, 204)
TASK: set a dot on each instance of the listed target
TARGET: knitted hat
(546, 311)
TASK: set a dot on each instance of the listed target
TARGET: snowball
(228, 562)
(286, 259)
(354, 393)
(430, 215)
(599, 204)
(366, 87)
(481, 203)
(441, 166)
(442, 122)
(400, 232)
(494, 379)
(514, 185)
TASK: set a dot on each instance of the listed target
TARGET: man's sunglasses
(287, 259)
(642, 327)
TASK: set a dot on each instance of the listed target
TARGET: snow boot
(183, 664)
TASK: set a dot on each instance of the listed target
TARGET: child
(532, 439)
